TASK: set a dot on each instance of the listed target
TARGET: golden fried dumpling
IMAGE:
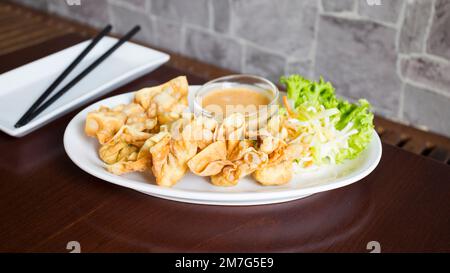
(229, 157)
(231, 130)
(137, 117)
(130, 135)
(245, 161)
(204, 128)
(273, 135)
(199, 129)
(225, 167)
(251, 161)
(104, 123)
(278, 169)
(276, 127)
(170, 157)
(211, 160)
(273, 142)
(268, 142)
(278, 174)
(168, 100)
(118, 151)
(141, 122)
(129, 109)
(123, 153)
(138, 163)
(229, 176)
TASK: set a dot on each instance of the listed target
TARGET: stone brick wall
(396, 54)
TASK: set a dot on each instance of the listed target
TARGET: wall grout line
(427, 87)
(313, 50)
(429, 25)
(431, 57)
(400, 25)
(359, 18)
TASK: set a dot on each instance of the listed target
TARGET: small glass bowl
(255, 83)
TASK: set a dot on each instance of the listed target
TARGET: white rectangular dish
(22, 86)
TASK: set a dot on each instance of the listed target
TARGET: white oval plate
(82, 150)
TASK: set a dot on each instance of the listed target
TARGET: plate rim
(173, 193)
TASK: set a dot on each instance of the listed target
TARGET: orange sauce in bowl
(231, 100)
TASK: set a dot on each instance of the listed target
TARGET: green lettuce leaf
(361, 117)
(309, 93)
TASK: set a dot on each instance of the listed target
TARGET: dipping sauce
(224, 102)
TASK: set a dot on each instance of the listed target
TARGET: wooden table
(46, 201)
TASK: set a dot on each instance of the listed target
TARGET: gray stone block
(123, 19)
(427, 72)
(359, 58)
(222, 15)
(286, 26)
(58, 7)
(338, 5)
(213, 48)
(414, 27)
(303, 68)
(94, 13)
(194, 12)
(263, 63)
(388, 11)
(424, 108)
(439, 39)
(168, 35)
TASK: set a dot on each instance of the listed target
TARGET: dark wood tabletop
(46, 201)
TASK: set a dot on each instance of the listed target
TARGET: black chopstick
(63, 75)
(80, 76)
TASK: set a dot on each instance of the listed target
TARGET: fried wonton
(278, 169)
(273, 141)
(229, 157)
(125, 152)
(211, 160)
(130, 135)
(137, 162)
(138, 118)
(118, 151)
(171, 154)
(231, 130)
(245, 160)
(167, 101)
(278, 174)
(107, 122)
(104, 123)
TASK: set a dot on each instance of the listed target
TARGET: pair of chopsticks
(37, 108)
